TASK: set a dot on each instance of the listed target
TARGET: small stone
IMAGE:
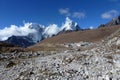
(118, 42)
(31, 73)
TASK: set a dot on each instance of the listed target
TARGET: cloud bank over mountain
(36, 31)
(51, 30)
(15, 30)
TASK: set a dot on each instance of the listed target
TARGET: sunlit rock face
(114, 21)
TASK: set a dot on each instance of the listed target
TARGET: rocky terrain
(77, 61)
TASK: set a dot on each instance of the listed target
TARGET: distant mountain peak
(69, 25)
(41, 32)
(114, 21)
(23, 41)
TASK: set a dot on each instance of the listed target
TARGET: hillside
(94, 35)
(87, 35)
(7, 47)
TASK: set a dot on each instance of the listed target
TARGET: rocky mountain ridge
(113, 22)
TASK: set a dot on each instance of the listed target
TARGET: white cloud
(65, 11)
(15, 30)
(91, 27)
(51, 30)
(110, 14)
(78, 15)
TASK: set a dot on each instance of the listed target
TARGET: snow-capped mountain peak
(69, 25)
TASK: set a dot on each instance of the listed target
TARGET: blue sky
(85, 12)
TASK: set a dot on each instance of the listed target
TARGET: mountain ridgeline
(113, 22)
(42, 32)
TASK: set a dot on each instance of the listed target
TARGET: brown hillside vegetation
(6, 47)
(72, 37)
(87, 35)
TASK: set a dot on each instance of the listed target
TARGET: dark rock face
(4, 44)
(22, 41)
(78, 28)
(115, 21)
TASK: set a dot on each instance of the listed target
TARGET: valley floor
(100, 62)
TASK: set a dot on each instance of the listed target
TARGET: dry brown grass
(95, 35)
(12, 49)
(6, 47)
(46, 47)
(87, 35)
